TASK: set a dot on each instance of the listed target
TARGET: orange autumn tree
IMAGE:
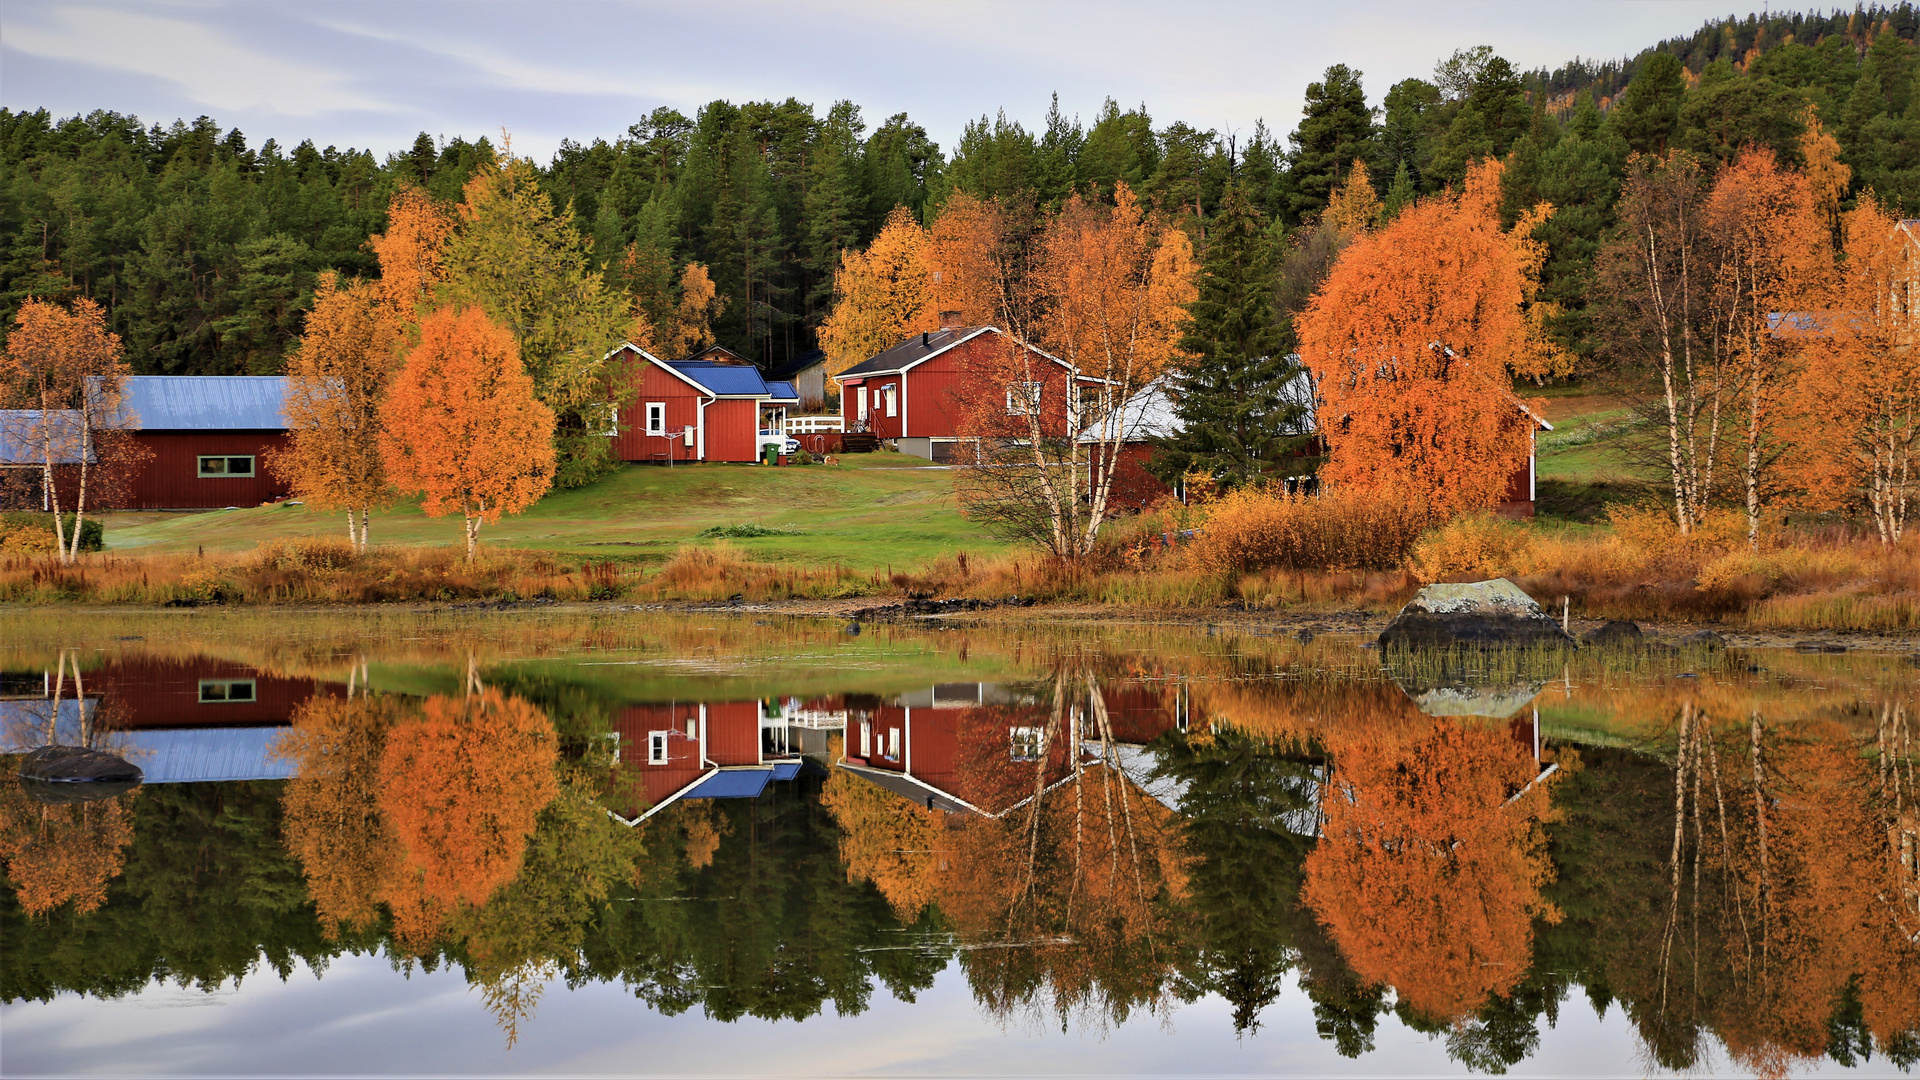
(462, 788)
(62, 853)
(881, 295)
(1426, 876)
(1104, 291)
(332, 817)
(337, 382)
(1409, 342)
(886, 840)
(1854, 404)
(412, 253)
(62, 379)
(462, 426)
(1773, 256)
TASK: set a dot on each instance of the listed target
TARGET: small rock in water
(853, 628)
(77, 765)
(1304, 636)
(1820, 647)
(1704, 639)
(1616, 632)
(1483, 614)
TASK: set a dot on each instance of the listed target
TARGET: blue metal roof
(786, 770)
(782, 391)
(724, 379)
(732, 784)
(204, 755)
(207, 402)
(20, 437)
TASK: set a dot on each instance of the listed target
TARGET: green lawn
(872, 511)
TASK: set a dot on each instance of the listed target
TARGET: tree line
(205, 249)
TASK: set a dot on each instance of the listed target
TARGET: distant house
(23, 457)
(913, 392)
(808, 375)
(1150, 415)
(713, 406)
(209, 436)
(699, 750)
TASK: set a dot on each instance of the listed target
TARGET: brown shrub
(1263, 528)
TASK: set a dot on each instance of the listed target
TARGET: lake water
(724, 845)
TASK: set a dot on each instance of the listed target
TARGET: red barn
(913, 392)
(209, 436)
(711, 407)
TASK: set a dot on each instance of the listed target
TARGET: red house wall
(733, 732)
(157, 693)
(733, 428)
(1134, 488)
(170, 479)
(683, 411)
(683, 766)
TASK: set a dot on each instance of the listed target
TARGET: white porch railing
(811, 425)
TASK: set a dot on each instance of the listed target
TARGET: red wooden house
(209, 437)
(713, 406)
(916, 392)
(698, 750)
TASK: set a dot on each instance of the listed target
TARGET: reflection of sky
(365, 1018)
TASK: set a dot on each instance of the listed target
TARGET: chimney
(949, 320)
(923, 339)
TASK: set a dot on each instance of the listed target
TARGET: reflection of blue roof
(724, 379)
(733, 784)
(203, 755)
(206, 402)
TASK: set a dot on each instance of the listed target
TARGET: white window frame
(866, 738)
(225, 473)
(893, 744)
(860, 395)
(657, 747)
(656, 418)
(1026, 743)
(226, 692)
(1023, 398)
(892, 393)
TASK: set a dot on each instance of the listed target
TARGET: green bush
(93, 535)
(741, 532)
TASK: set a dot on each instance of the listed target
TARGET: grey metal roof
(20, 436)
(1150, 412)
(911, 351)
(207, 402)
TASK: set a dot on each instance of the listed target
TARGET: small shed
(209, 436)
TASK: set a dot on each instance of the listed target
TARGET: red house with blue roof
(712, 406)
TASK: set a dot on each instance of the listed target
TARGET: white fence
(812, 425)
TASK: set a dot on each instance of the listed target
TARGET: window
(860, 395)
(657, 747)
(656, 418)
(1029, 743)
(608, 415)
(225, 691)
(1023, 399)
(866, 738)
(893, 744)
(893, 401)
(226, 465)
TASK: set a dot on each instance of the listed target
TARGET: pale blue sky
(375, 74)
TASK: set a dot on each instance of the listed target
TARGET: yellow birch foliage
(337, 380)
(1353, 208)
(1410, 340)
(332, 817)
(1114, 286)
(412, 253)
(883, 294)
(886, 840)
(63, 853)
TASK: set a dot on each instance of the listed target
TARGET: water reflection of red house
(976, 747)
(156, 692)
(699, 750)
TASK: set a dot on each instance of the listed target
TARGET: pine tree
(1337, 126)
(1230, 397)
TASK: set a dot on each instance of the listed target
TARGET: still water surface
(726, 846)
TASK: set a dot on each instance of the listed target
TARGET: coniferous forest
(204, 246)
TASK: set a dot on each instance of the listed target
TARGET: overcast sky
(376, 74)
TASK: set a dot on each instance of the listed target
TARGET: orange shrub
(1261, 528)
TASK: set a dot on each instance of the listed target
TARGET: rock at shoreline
(1616, 633)
(1703, 639)
(1480, 614)
(77, 765)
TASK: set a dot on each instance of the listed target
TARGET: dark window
(226, 690)
(226, 465)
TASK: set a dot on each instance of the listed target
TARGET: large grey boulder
(1478, 614)
(77, 765)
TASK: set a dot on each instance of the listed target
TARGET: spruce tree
(1229, 397)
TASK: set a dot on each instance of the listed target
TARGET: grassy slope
(874, 511)
(1583, 463)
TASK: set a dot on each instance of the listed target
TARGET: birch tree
(64, 374)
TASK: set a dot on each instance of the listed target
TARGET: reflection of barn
(982, 748)
(192, 720)
(705, 750)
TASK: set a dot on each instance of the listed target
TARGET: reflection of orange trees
(333, 821)
(56, 854)
(462, 787)
(886, 840)
(1425, 876)
(1326, 712)
(1067, 897)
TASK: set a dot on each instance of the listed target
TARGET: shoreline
(1263, 622)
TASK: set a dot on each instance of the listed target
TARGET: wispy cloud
(200, 61)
